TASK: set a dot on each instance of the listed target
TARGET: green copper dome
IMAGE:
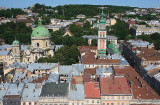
(40, 31)
(112, 46)
(15, 42)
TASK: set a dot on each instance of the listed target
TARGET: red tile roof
(77, 80)
(131, 22)
(87, 75)
(91, 71)
(140, 89)
(92, 90)
(114, 85)
(87, 48)
(88, 55)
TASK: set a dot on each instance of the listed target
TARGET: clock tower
(102, 34)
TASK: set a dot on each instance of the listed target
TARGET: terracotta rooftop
(131, 22)
(12, 96)
(88, 56)
(77, 80)
(114, 85)
(140, 89)
(41, 79)
(108, 61)
(91, 71)
(149, 54)
(92, 90)
(87, 48)
(146, 53)
(87, 75)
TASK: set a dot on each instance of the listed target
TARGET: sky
(132, 3)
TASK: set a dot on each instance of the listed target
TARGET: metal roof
(139, 43)
(77, 69)
(95, 37)
(65, 69)
(157, 77)
(76, 92)
(31, 92)
(41, 66)
(4, 52)
(3, 89)
(6, 46)
(19, 75)
(149, 67)
(15, 89)
(55, 89)
(101, 70)
(53, 77)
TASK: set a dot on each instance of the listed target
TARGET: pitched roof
(140, 88)
(114, 85)
(76, 92)
(55, 89)
(92, 90)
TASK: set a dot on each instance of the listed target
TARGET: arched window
(37, 44)
(46, 43)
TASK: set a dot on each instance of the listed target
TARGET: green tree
(120, 30)
(76, 30)
(94, 42)
(87, 25)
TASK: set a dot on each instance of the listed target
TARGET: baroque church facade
(41, 46)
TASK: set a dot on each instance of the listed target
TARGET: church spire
(102, 20)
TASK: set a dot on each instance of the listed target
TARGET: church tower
(40, 38)
(16, 51)
(102, 34)
(40, 42)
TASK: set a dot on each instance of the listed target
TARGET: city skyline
(132, 3)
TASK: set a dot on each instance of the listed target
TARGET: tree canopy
(65, 56)
(13, 12)
(19, 30)
(153, 38)
(120, 30)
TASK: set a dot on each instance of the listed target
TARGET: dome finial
(40, 22)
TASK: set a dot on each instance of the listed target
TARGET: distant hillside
(68, 11)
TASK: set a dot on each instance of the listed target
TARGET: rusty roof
(114, 85)
(140, 89)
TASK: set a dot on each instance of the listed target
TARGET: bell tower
(102, 34)
(16, 54)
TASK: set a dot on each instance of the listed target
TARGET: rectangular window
(108, 97)
(87, 101)
(92, 101)
(97, 101)
(118, 97)
(123, 97)
(112, 97)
